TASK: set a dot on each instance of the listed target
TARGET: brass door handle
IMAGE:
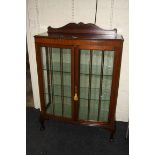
(75, 97)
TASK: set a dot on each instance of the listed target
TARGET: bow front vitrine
(78, 74)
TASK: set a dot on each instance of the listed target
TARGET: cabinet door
(56, 72)
(95, 78)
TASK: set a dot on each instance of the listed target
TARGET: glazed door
(95, 82)
(76, 82)
(57, 80)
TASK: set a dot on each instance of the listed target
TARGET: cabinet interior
(95, 78)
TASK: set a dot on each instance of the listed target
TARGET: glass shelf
(55, 71)
(58, 95)
(94, 74)
(93, 99)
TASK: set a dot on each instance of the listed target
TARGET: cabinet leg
(112, 135)
(113, 130)
(42, 125)
(127, 132)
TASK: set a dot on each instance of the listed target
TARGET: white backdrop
(56, 13)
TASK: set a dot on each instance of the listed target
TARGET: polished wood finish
(76, 77)
(101, 81)
(76, 37)
(81, 28)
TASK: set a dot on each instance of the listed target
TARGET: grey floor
(69, 139)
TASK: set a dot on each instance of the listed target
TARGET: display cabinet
(78, 74)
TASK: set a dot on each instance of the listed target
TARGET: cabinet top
(81, 31)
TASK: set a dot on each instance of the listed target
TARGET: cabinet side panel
(40, 77)
(115, 83)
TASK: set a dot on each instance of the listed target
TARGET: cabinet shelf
(56, 71)
(58, 95)
(59, 85)
(92, 99)
(87, 74)
(79, 97)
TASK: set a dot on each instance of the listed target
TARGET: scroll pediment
(81, 28)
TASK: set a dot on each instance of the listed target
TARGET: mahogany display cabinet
(78, 74)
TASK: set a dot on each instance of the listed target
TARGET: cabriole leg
(41, 120)
(113, 130)
(112, 135)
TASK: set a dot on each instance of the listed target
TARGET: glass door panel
(96, 69)
(56, 68)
